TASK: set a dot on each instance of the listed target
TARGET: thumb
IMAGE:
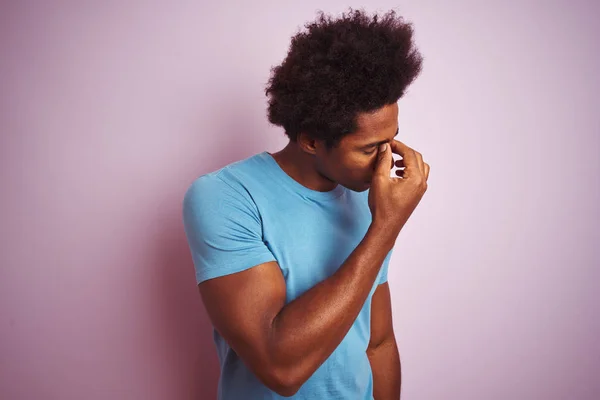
(384, 160)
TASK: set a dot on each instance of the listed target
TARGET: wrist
(383, 234)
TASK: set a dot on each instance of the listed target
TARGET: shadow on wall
(187, 328)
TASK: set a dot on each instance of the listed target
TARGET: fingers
(399, 148)
(409, 157)
(412, 160)
(420, 162)
(384, 160)
(399, 164)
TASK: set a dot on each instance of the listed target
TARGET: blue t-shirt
(251, 212)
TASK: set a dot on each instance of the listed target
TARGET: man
(291, 249)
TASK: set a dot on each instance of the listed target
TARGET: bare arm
(383, 350)
(284, 345)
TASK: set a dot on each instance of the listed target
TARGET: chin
(361, 188)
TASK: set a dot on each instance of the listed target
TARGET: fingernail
(382, 146)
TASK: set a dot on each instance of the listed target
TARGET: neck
(301, 167)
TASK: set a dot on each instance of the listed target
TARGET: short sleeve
(223, 228)
(383, 272)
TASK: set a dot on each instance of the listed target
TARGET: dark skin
(350, 163)
(285, 344)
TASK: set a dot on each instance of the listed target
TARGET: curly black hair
(339, 68)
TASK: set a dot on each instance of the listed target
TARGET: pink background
(109, 111)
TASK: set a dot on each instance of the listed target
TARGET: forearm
(307, 330)
(387, 376)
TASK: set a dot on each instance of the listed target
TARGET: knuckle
(418, 181)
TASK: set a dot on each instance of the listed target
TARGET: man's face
(351, 163)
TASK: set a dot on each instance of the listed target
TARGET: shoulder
(228, 184)
(209, 185)
(227, 195)
(214, 194)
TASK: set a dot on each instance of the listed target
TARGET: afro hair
(338, 68)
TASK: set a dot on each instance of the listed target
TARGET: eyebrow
(378, 143)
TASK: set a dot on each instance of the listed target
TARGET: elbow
(283, 382)
(281, 372)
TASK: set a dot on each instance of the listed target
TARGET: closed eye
(370, 151)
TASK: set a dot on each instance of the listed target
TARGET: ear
(307, 144)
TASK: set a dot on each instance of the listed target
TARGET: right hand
(392, 200)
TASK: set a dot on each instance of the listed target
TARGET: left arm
(383, 351)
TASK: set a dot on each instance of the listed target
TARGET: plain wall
(109, 110)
